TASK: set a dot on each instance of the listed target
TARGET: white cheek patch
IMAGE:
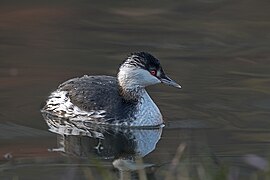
(133, 77)
(144, 78)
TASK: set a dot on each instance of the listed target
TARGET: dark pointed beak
(168, 81)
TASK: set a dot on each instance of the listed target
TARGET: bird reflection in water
(123, 147)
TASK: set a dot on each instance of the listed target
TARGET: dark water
(217, 50)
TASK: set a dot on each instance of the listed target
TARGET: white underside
(147, 114)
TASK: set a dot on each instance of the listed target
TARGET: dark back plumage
(99, 93)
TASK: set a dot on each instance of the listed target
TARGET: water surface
(217, 50)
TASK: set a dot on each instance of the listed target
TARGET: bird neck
(131, 94)
(129, 85)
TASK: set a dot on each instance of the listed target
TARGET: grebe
(107, 100)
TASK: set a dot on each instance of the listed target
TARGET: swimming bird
(116, 101)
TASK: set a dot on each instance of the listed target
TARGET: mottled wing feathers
(98, 93)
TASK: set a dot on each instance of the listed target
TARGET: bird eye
(153, 72)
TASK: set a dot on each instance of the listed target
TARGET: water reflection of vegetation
(91, 152)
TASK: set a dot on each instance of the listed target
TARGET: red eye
(153, 72)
